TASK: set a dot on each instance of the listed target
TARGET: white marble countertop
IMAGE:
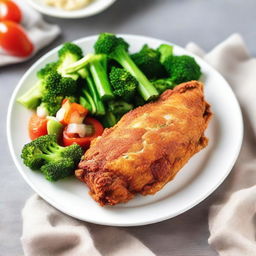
(180, 21)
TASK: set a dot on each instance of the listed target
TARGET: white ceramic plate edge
(60, 207)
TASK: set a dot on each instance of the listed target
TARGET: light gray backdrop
(206, 22)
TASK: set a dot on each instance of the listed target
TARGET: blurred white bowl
(93, 8)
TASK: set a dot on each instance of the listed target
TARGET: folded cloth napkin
(39, 32)
(232, 221)
(46, 231)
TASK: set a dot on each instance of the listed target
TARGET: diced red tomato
(37, 127)
(69, 139)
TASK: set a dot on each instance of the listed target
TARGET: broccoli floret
(70, 48)
(123, 83)
(55, 161)
(72, 99)
(182, 68)
(119, 108)
(29, 155)
(48, 68)
(53, 81)
(115, 110)
(32, 98)
(116, 48)
(67, 87)
(163, 84)
(57, 85)
(148, 60)
(165, 51)
(46, 89)
(52, 105)
(108, 43)
(108, 120)
(68, 54)
(57, 170)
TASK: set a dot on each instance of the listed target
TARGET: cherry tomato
(85, 141)
(14, 40)
(10, 11)
(37, 126)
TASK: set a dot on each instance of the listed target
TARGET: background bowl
(197, 179)
(93, 8)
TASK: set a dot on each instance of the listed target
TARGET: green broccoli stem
(165, 52)
(53, 152)
(145, 88)
(78, 65)
(32, 98)
(97, 102)
(87, 101)
(62, 68)
(66, 61)
(99, 74)
(98, 69)
(100, 109)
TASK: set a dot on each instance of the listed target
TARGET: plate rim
(75, 14)
(53, 203)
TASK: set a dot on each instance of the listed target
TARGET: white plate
(93, 8)
(198, 179)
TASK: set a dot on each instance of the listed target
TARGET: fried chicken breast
(147, 147)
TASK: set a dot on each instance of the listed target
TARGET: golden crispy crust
(147, 147)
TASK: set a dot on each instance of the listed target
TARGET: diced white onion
(41, 112)
(81, 129)
(60, 114)
(66, 105)
(76, 118)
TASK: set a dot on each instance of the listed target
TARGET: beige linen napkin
(232, 221)
(47, 231)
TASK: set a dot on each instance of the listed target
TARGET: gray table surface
(206, 22)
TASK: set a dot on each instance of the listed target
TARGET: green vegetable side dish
(109, 83)
(111, 73)
(54, 161)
